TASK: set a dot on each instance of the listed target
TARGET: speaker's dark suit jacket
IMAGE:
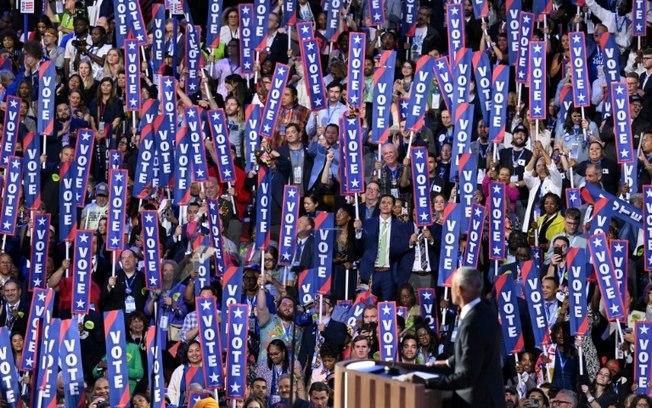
(477, 379)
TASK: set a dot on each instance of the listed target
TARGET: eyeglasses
(560, 403)
(269, 259)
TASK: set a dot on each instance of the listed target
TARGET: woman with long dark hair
(186, 374)
(600, 393)
(344, 254)
(276, 365)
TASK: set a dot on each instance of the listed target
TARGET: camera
(77, 43)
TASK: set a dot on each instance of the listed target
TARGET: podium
(361, 384)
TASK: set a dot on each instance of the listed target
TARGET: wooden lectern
(360, 388)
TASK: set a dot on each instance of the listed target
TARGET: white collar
(467, 307)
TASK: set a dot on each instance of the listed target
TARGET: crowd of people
(379, 253)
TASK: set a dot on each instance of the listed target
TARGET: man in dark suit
(383, 241)
(124, 290)
(476, 380)
(275, 43)
(14, 311)
(303, 254)
(296, 152)
(325, 331)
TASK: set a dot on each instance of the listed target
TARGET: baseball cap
(102, 189)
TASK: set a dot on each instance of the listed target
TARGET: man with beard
(426, 37)
(331, 115)
(296, 152)
(472, 27)
(65, 128)
(291, 112)
(74, 46)
(516, 158)
(279, 325)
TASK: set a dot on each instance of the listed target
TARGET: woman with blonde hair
(113, 63)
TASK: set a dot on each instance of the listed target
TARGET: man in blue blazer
(383, 241)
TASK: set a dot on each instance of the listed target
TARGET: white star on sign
(215, 378)
(83, 237)
(620, 90)
(41, 297)
(227, 173)
(292, 192)
(310, 46)
(212, 205)
(427, 295)
(496, 189)
(235, 387)
(29, 361)
(168, 83)
(644, 329)
(454, 11)
(37, 282)
(305, 29)
(614, 308)
(266, 128)
(351, 121)
(114, 241)
(648, 193)
(441, 65)
(199, 173)
(118, 177)
(41, 221)
(581, 97)
(6, 225)
(318, 102)
(357, 39)
(133, 102)
(424, 216)
(13, 103)
(245, 10)
(521, 75)
(537, 110)
(377, 17)
(624, 153)
(192, 87)
(526, 19)
(140, 37)
(86, 136)
(573, 197)
(355, 183)
(216, 115)
(537, 48)
(577, 38)
(281, 71)
(597, 242)
(286, 256)
(496, 250)
(206, 305)
(386, 309)
(404, 105)
(618, 247)
(478, 212)
(80, 304)
(419, 154)
(354, 99)
(132, 45)
(238, 312)
(149, 218)
(153, 281)
(247, 65)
